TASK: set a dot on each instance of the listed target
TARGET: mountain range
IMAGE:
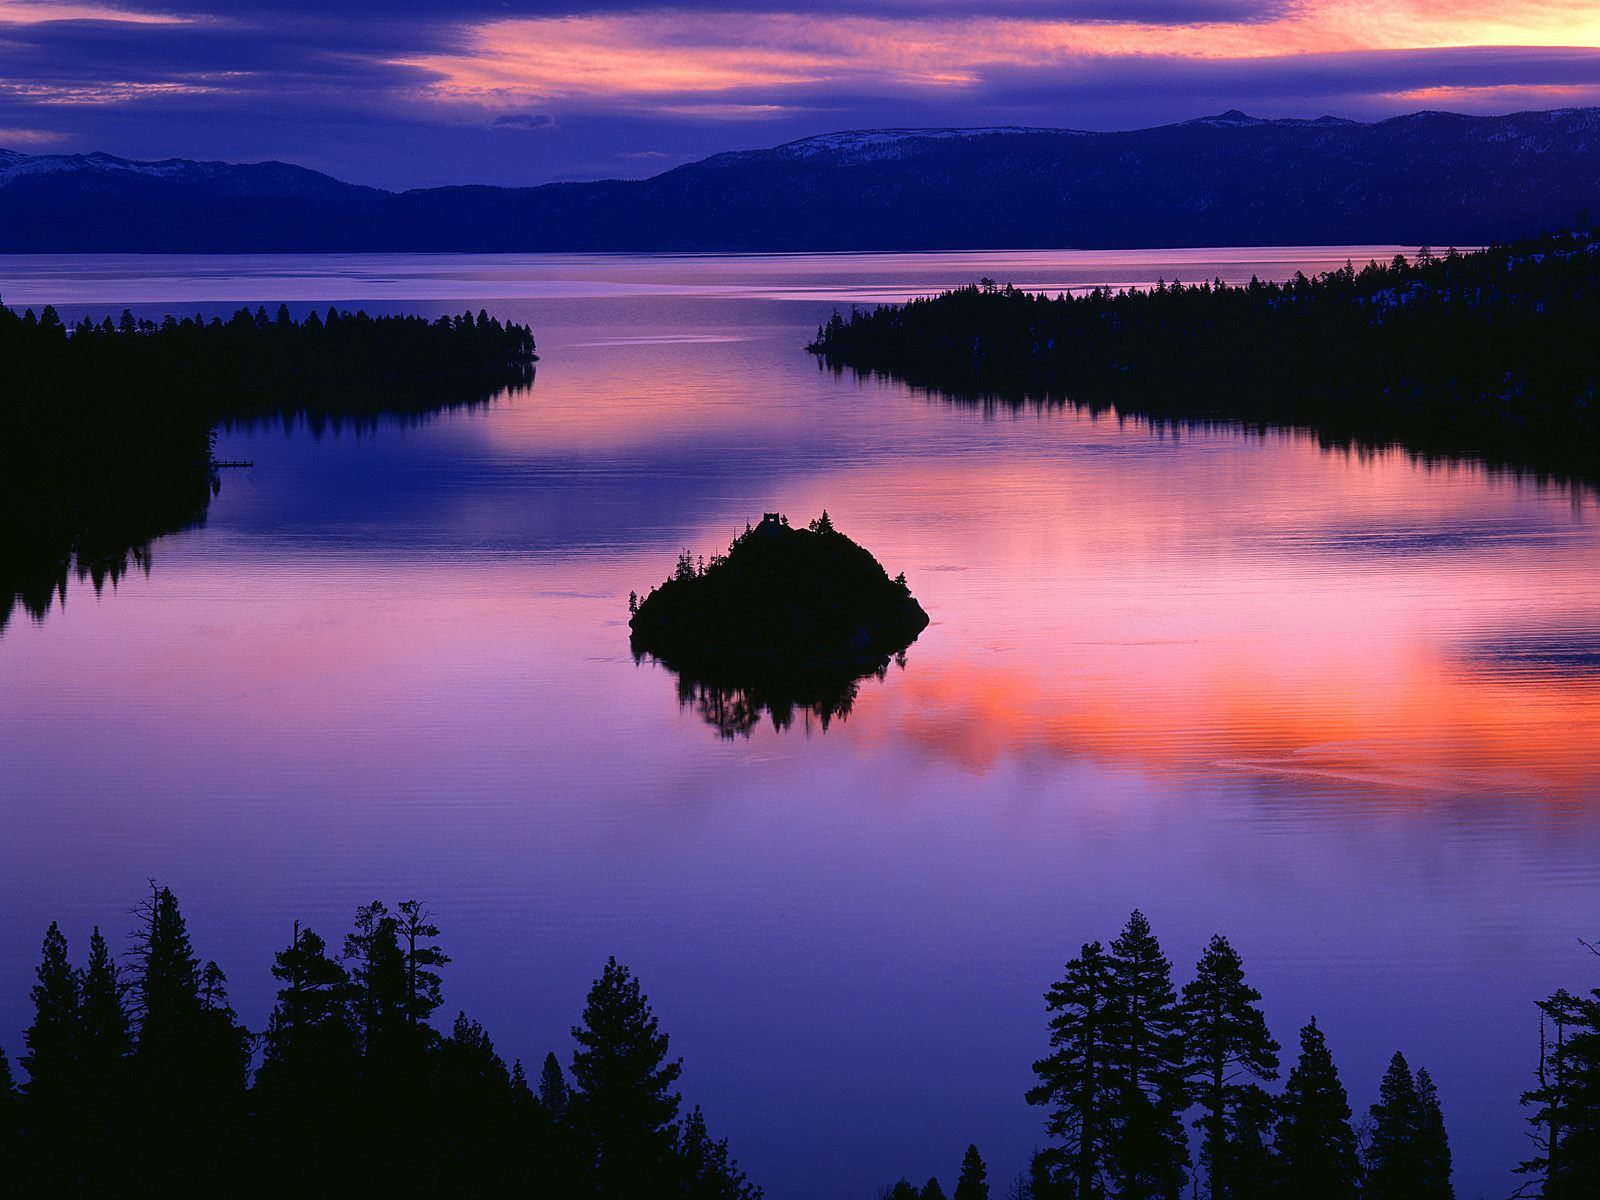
(1430, 177)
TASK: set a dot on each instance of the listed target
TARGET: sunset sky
(404, 93)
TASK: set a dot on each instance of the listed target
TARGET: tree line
(107, 429)
(1131, 1055)
(1489, 355)
(141, 1080)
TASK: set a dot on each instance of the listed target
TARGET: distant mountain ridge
(1228, 179)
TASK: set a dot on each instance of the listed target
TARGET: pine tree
(931, 1190)
(1149, 1152)
(1078, 1081)
(1567, 1100)
(378, 982)
(423, 956)
(190, 1062)
(623, 1099)
(1316, 1148)
(1229, 1048)
(105, 1042)
(1396, 1169)
(553, 1089)
(305, 1086)
(707, 1167)
(973, 1182)
(51, 1057)
(1433, 1142)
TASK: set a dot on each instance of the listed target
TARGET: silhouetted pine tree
(50, 1058)
(392, 1081)
(476, 1118)
(1396, 1169)
(1149, 1152)
(707, 1167)
(1078, 1081)
(105, 1041)
(190, 1061)
(623, 1101)
(973, 1182)
(1433, 1142)
(423, 956)
(1229, 1047)
(931, 1190)
(1316, 1147)
(553, 1093)
(1567, 1101)
(304, 1088)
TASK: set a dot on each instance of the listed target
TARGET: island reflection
(733, 702)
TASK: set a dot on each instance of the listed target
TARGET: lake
(1343, 708)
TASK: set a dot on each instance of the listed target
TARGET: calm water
(1346, 710)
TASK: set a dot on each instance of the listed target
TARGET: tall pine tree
(105, 1041)
(1079, 1082)
(973, 1182)
(1315, 1145)
(1396, 1169)
(1229, 1049)
(1433, 1141)
(1149, 1151)
(1566, 1103)
(707, 1167)
(50, 1057)
(623, 1101)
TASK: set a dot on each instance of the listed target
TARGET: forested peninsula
(1489, 355)
(107, 429)
(138, 1078)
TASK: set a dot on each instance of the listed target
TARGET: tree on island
(1316, 1156)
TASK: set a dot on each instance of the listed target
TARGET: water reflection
(734, 699)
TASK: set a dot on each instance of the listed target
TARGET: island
(789, 618)
(1488, 355)
(107, 429)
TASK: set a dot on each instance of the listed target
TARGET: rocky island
(788, 617)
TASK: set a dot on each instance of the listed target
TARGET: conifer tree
(553, 1088)
(304, 1088)
(51, 1057)
(1316, 1147)
(378, 980)
(1433, 1141)
(105, 1041)
(708, 1169)
(932, 1190)
(623, 1098)
(1567, 1101)
(1149, 1152)
(1396, 1169)
(1078, 1081)
(973, 1182)
(423, 957)
(1229, 1048)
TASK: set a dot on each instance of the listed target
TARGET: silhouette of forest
(107, 429)
(140, 1080)
(789, 621)
(1489, 355)
(1135, 1062)
(137, 1078)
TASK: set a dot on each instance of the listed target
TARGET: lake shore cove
(793, 600)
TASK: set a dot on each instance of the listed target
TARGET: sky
(411, 93)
